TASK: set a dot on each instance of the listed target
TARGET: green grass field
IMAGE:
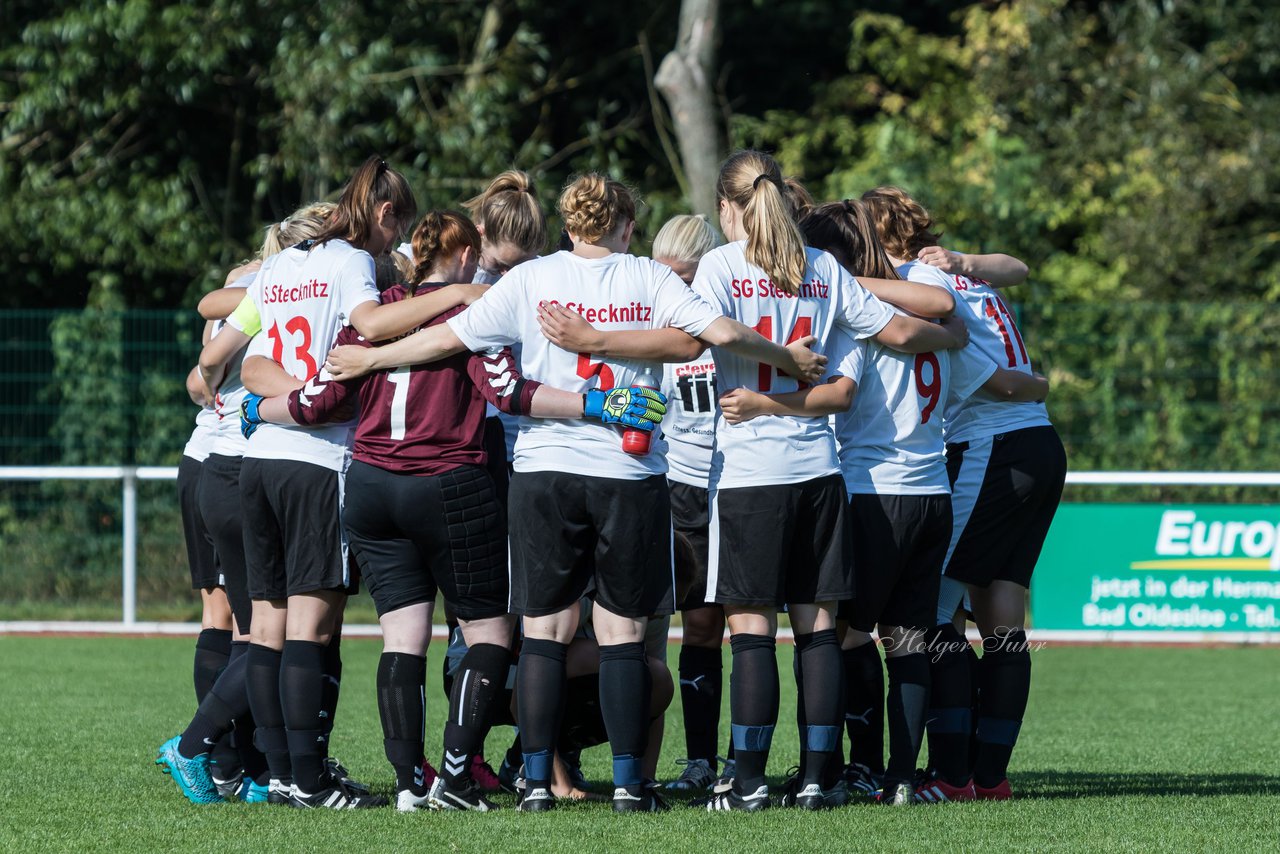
(1123, 749)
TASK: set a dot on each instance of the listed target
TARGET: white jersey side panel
(690, 425)
(617, 292)
(994, 333)
(779, 449)
(228, 441)
(200, 445)
(304, 299)
(891, 440)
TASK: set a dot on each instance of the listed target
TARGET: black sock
(907, 707)
(226, 700)
(515, 753)
(625, 688)
(949, 715)
(213, 648)
(237, 745)
(402, 706)
(802, 717)
(479, 680)
(301, 695)
(864, 705)
(1006, 682)
(753, 706)
(332, 683)
(975, 712)
(822, 684)
(262, 674)
(540, 688)
(701, 682)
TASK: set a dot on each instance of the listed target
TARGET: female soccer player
(219, 504)
(1007, 468)
(291, 479)
(778, 506)
(895, 472)
(690, 430)
(608, 523)
(422, 516)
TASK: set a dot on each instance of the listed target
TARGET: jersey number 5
(588, 369)
(301, 352)
(803, 328)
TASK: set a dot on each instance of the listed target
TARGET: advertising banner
(1167, 568)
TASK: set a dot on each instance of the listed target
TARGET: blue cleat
(253, 792)
(191, 775)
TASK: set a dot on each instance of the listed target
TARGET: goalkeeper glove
(635, 407)
(249, 417)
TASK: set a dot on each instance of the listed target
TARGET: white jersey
(200, 445)
(616, 292)
(890, 440)
(304, 299)
(228, 440)
(690, 425)
(510, 423)
(992, 331)
(779, 449)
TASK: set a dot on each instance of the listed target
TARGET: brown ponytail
(752, 181)
(903, 224)
(374, 183)
(439, 235)
(845, 230)
(509, 211)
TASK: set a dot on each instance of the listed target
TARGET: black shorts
(899, 543)
(495, 448)
(201, 559)
(690, 523)
(786, 543)
(293, 540)
(573, 535)
(220, 506)
(1004, 492)
(413, 535)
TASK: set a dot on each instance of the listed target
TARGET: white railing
(130, 475)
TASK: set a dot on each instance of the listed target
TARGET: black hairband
(755, 185)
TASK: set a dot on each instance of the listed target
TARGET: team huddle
(828, 415)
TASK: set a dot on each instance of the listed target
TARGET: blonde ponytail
(752, 181)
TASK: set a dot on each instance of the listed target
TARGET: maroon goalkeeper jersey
(424, 419)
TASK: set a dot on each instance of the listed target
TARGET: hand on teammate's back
(349, 361)
(943, 259)
(567, 329)
(809, 366)
(740, 405)
(635, 407)
(249, 416)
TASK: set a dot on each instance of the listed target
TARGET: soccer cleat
(279, 792)
(230, 787)
(939, 791)
(191, 775)
(999, 792)
(537, 800)
(731, 801)
(445, 797)
(334, 798)
(899, 794)
(337, 775)
(508, 776)
(646, 799)
(697, 774)
(483, 774)
(728, 769)
(861, 781)
(253, 792)
(407, 800)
